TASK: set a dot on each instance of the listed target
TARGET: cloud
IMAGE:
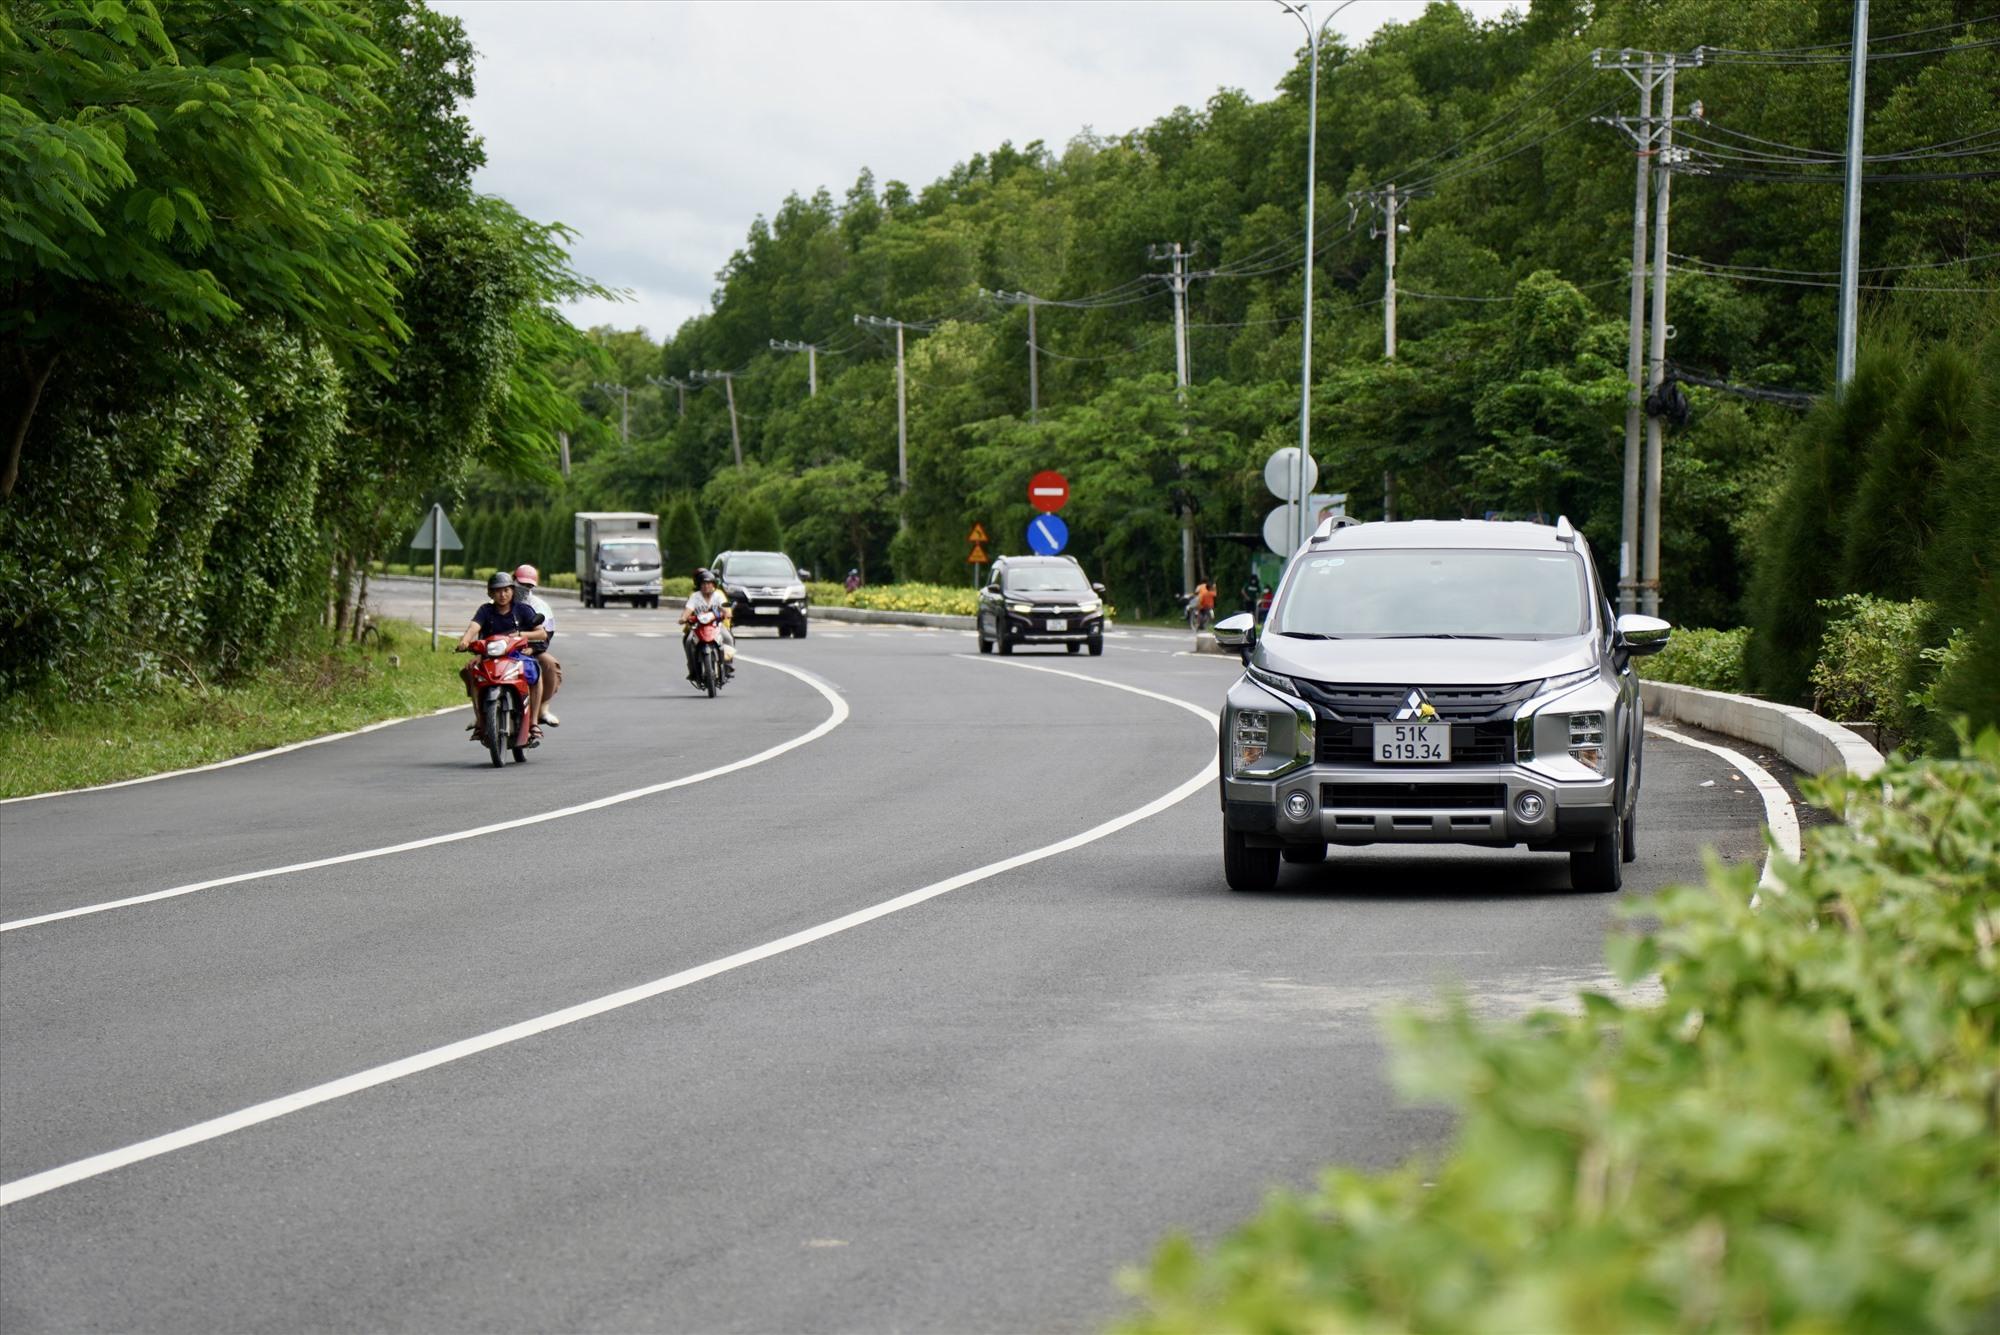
(658, 131)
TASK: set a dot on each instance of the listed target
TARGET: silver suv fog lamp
(1298, 805)
(1529, 806)
(1252, 738)
(1586, 740)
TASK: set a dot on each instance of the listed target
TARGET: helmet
(499, 580)
(704, 576)
(853, 572)
(527, 575)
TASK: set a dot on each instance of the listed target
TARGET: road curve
(967, 1112)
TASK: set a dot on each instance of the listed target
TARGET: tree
(681, 539)
(123, 140)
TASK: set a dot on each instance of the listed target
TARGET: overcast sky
(659, 130)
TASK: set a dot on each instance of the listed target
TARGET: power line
(1843, 46)
(1830, 273)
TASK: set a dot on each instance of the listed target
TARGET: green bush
(1864, 662)
(1801, 1136)
(1710, 659)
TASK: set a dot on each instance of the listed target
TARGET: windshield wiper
(1304, 635)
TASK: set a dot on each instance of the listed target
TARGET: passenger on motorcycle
(707, 597)
(504, 615)
(526, 577)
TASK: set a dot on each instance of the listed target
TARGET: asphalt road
(753, 1051)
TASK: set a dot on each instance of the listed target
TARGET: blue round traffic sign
(1047, 535)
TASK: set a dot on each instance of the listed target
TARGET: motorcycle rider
(503, 615)
(526, 578)
(706, 597)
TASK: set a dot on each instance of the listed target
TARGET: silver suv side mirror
(1237, 632)
(1640, 635)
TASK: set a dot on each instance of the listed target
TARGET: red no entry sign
(1048, 491)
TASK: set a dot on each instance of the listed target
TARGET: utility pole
(811, 350)
(902, 398)
(1030, 300)
(1178, 281)
(1850, 204)
(1388, 204)
(624, 393)
(1653, 139)
(728, 379)
(680, 388)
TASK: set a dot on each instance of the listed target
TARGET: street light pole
(1303, 13)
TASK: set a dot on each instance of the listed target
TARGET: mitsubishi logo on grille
(1417, 705)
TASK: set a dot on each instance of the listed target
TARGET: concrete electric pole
(811, 350)
(1030, 300)
(1850, 204)
(680, 388)
(1178, 281)
(902, 399)
(1652, 138)
(728, 379)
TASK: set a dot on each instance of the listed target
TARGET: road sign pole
(437, 566)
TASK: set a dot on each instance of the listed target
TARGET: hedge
(1804, 1135)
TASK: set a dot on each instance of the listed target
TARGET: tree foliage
(256, 320)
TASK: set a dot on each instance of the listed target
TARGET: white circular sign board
(1281, 529)
(1281, 473)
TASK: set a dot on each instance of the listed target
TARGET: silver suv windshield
(1425, 593)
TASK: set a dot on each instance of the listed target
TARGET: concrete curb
(1802, 737)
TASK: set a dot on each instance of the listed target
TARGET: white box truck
(618, 556)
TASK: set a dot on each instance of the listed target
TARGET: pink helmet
(527, 575)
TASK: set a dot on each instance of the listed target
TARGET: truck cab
(618, 556)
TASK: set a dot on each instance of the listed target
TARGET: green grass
(58, 744)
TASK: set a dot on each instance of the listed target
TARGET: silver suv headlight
(1266, 742)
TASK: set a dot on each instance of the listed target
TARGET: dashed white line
(832, 721)
(67, 1174)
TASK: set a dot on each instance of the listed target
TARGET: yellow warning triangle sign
(978, 534)
(978, 557)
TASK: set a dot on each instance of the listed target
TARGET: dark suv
(1040, 600)
(765, 589)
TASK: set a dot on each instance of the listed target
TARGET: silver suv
(1435, 682)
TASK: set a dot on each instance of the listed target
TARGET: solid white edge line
(97, 1164)
(832, 721)
(1779, 814)
(234, 760)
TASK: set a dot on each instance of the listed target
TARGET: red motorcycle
(709, 670)
(501, 686)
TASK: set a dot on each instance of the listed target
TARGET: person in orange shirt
(1204, 605)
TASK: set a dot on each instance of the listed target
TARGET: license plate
(1057, 623)
(766, 610)
(1413, 743)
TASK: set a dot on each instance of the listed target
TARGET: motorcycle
(709, 669)
(501, 686)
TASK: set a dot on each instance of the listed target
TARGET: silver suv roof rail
(1332, 523)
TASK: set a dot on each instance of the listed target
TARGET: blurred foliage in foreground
(1803, 1136)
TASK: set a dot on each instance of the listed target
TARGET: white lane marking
(599, 634)
(1779, 813)
(235, 760)
(649, 635)
(97, 1164)
(832, 721)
